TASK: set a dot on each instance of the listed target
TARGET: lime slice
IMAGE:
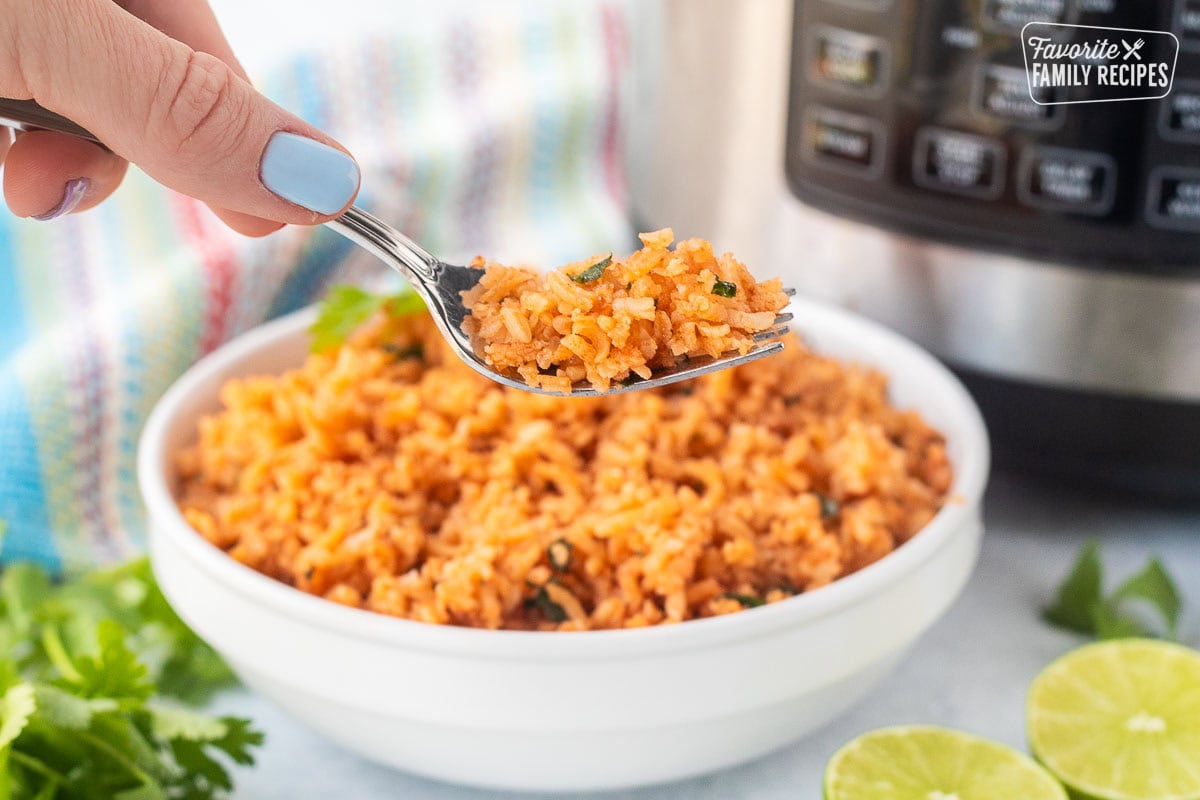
(1120, 720)
(927, 763)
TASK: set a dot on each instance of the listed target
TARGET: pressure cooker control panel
(918, 116)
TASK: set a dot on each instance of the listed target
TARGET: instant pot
(888, 156)
(1049, 252)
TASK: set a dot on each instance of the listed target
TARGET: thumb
(185, 117)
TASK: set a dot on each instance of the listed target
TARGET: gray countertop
(970, 671)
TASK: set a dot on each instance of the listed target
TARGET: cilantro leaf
(404, 304)
(1079, 593)
(542, 601)
(179, 723)
(115, 671)
(9, 675)
(147, 791)
(238, 740)
(1082, 607)
(62, 709)
(1154, 586)
(133, 738)
(205, 771)
(1108, 623)
(747, 600)
(22, 586)
(593, 272)
(725, 288)
(346, 308)
(16, 709)
(48, 791)
(416, 351)
(830, 507)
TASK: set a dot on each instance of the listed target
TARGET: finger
(193, 23)
(47, 174)
(5, 142)
(246, 224)
(184, 117)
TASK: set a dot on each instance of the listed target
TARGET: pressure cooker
(899, 158)
(1047, 248)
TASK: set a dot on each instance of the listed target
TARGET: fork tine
(790, 291)
(687, 370)
(702, 367)
(773, 333)
(782, 318)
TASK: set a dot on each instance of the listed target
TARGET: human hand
(156, 81)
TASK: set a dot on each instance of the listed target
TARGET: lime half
(1120, 720)
(927, 763)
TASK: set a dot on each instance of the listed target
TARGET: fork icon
(1132, 50)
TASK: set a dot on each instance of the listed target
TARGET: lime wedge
(1120, 720)
(927, 763)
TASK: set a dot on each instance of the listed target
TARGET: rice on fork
(609, 320)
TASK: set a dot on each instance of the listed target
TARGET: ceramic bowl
(570, 711)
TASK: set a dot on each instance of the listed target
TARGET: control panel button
(1187, 24)
(848, 60)
(1012, 15)
(960, 163)
(960, 36)
(1180, 118)
(865, 5)
(849, 142)
(1173, 200)
(1002, 92)
(1058, 179)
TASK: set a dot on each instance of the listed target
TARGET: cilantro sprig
(345, 308)
(1081, 605)
(91, 685)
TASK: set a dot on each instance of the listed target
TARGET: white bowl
(570, 711)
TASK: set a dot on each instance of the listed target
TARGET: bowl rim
(959, 513)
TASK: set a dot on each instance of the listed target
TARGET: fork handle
(387, 244)
(27, 115)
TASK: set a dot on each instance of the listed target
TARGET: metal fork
(439, 284)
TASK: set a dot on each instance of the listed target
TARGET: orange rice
(387, 475)
(607, 319)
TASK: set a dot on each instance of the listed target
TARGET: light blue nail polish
(308, 173)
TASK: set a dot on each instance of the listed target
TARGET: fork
(438, 283)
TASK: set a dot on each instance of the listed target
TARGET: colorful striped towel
(490, 132)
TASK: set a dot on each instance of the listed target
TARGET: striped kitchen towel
(489, 132)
